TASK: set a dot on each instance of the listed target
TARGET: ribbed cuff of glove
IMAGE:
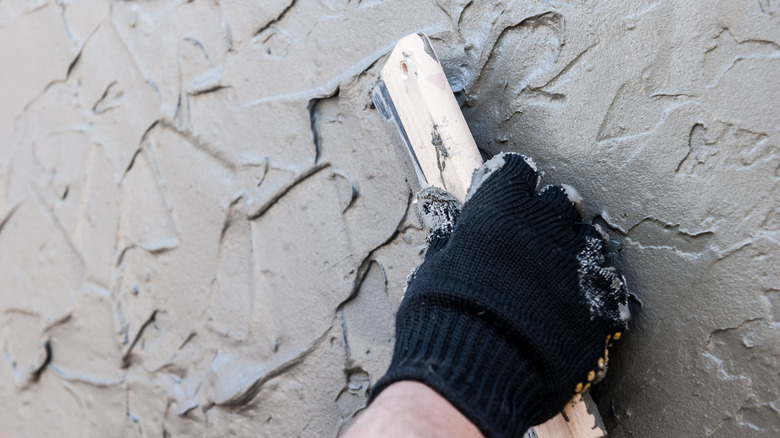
(464, 355)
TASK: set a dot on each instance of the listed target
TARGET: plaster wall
(205, 226)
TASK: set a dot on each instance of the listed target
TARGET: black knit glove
(511, 312)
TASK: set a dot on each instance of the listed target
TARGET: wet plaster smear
(205, 226)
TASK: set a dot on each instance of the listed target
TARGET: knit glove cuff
(443, 341)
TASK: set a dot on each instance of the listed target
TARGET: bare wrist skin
(411, 409)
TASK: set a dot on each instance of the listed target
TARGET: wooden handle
(447, 155)
(427, 109)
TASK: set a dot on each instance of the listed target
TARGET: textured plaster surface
(205, 226)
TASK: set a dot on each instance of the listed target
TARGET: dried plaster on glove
(438, 211)
(490, 166)
(575, 199)
(609, 302)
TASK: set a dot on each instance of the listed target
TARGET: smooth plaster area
(205, 226)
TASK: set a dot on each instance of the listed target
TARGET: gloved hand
(512, 310)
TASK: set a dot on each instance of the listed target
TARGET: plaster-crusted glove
(511, 311)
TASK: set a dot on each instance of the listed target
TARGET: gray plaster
(205, 227)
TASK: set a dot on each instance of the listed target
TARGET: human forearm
(411, 409)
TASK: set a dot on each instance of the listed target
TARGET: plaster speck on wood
(205, 227)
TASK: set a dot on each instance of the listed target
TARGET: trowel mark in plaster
(310, 387)
(706, 142)
(547, 38)
(353, 312)
(756, 337)
(202, 200)
(63, 157)
(764, 5)
(275, 43)
(365, 264)
(347, 190)
(653, 233)
(51, 407)
(314, 107)
(279, 17)
(104, 61)
(194, 140)
(205, 83)
(302, 226)
(146, 220)
(696, 145)
(25, 348)
(232, 291)
(127, 351)
(46, 279)
(728, 50)
(626, 118)
(367, 327)
(285, 188)
(516, 83)
(198, 76)
(95, 232)
(89, 331)
(237, 387)
(566, 74)
(110, 99)
(504, 54)
(318, 91)
(369, 260)
(51, 65)
(261, 182)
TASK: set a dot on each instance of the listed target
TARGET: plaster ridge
(314, 115)
(329, 85)
(53, 218)
(528, 21)
(365, 264)
(462, 12)
(675, 225)
(86, 379)
(128, 351)
(8, 215)
(279, 17)
(567, 68)
(195, 141)
(301, 177)
(147, 78)
(250, 392)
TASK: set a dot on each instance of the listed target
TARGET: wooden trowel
(414, 93)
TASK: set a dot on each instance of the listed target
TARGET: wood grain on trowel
(414, 91)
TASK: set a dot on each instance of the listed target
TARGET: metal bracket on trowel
(414, 93)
